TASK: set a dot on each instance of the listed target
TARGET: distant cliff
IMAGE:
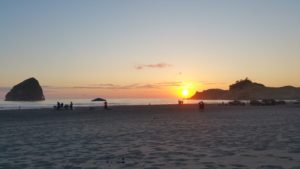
(248, 90)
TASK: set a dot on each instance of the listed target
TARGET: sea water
(7, 105)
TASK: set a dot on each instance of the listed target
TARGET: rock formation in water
(248, 90)
(28, 90)
(98, 100)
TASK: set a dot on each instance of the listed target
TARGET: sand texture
(152, 137)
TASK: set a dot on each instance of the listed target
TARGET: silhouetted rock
(256, 103)
(212, 94)
(28, 90)
(236, 103)
(245, 84)
(271, 102)
(267, 102)
(98, 100)
(248, 90)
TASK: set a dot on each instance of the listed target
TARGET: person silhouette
(201, 105)
(105, 105)
(58, 106)
(71, 106)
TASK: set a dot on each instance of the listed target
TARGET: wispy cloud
(156, 66)
(169, 84)
(212, 83)
(129, 86)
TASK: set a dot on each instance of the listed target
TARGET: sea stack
(28, 90)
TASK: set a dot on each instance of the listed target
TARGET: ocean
(7, 105)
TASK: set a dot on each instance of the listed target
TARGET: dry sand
(152, 137)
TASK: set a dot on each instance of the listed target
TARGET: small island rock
(28, 90)
(98, 99)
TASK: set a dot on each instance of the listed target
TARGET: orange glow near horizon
(186, 90)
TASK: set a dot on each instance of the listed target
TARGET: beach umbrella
(98, 100)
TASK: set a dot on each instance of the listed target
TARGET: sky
(147, 48)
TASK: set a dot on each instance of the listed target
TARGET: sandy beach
(152, 137)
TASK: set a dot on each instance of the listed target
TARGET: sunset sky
(147, 48)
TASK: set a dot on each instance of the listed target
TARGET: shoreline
(190, 106)
(85, 103)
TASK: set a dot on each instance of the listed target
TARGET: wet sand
(152, 137)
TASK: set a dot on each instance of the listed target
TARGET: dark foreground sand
(152, 137)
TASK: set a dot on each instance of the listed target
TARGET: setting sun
(186, 90)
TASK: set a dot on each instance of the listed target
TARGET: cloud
(156, 66)
(169, 84)
(51, 87)
(130, 86)
(212, 83)
(107, 86)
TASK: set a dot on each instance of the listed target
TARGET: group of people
(200, 104)
(60, 106)
(180, 102)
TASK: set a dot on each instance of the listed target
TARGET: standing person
(58, 106)
(71, 106)
(105, 105)
(201, 105)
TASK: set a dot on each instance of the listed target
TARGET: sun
(186, 90)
